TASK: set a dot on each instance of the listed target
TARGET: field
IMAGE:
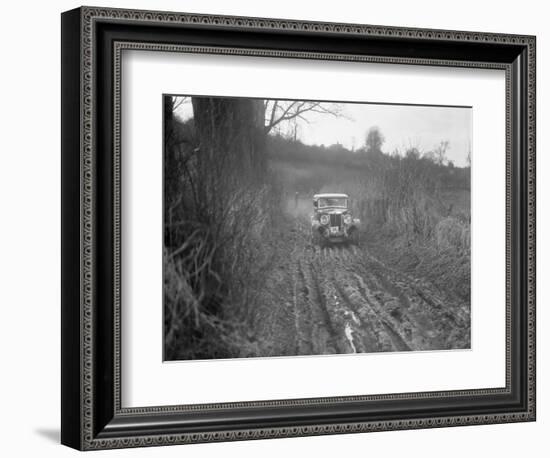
(343, 299)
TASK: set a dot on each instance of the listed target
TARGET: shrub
(451, 233)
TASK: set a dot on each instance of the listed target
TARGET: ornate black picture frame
(92, 42)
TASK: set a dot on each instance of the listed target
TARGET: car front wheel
(354, 237)
(317, 238)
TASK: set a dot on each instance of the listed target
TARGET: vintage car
(332, 221)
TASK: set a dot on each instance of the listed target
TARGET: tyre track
(333, 305)
(344, 300)
(380, 332)
(302, 310)
(422, 319)
(324, 322)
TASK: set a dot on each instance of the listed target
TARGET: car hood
(333, 211)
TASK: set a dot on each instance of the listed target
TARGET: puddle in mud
(349, 335)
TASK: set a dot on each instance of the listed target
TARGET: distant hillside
(282, 150)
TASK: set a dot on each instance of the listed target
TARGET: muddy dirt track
(341, 299)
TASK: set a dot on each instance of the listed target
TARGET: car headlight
(324, 219)
(347, 219)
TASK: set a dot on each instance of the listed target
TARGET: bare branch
(178, 101)
(273, 111)
(285, 111)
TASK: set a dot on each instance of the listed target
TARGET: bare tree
(278, 111)
(178, 101)
(440, 152)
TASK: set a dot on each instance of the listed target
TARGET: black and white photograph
(278, 222)
(305, 227)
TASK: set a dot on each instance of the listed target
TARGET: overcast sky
(402, 126)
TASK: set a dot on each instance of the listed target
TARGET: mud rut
(343, 300)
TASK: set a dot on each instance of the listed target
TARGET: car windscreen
(332, 202)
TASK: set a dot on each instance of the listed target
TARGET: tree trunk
(231, 147)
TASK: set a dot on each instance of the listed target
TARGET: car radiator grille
(336, 220)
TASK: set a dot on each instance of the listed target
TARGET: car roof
(329, 195)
